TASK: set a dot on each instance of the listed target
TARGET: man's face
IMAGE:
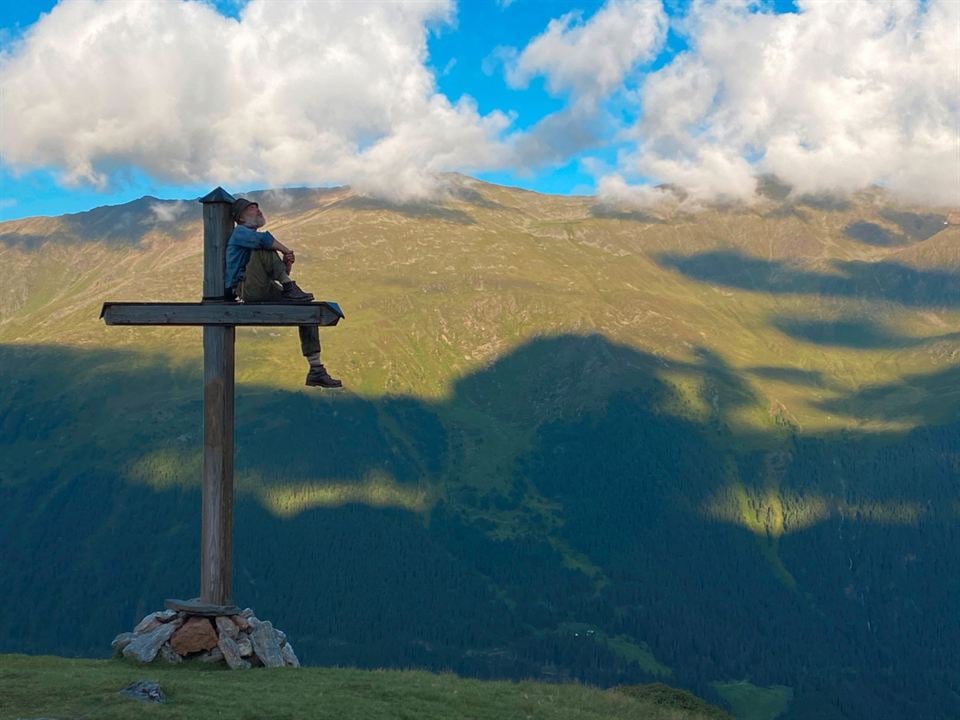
(252, 217)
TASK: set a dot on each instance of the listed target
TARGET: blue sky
(466, 59)
(481, 26)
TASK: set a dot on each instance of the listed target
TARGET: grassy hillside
(577, 442)
(81, 689)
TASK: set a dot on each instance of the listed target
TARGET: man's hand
(288, 259)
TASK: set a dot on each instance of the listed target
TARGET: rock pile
(240, 639)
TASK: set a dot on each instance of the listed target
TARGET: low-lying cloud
(292, 92)
(168, 212)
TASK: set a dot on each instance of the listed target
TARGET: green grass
(52, 687)
(750, 702)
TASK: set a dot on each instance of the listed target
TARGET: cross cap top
(217, 195)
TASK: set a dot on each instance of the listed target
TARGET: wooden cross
(219, 319)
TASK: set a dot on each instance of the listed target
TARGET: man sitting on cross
(255, 273)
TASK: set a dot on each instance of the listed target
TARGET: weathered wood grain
(217, 226)
(216, 525)
(221, 313)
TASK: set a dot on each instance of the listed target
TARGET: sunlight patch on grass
(774, 513)
(376, 490)
(167, 468)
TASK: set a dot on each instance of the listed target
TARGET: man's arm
(250, 238)
(288, 257)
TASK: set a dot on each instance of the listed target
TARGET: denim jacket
(242, 242)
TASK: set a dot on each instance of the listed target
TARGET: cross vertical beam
(216, 534)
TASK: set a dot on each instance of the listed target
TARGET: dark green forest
(607, 542)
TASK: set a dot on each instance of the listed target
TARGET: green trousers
(261, 283)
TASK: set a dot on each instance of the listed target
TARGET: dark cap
(239, 205)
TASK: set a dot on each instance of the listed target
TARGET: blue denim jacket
(242, 242)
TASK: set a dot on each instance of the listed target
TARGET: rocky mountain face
(577, 441)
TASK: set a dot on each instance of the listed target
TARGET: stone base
(189, 629)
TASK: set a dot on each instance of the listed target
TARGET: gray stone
(120, 642)
(144, 691)
(247, 613)
(144, 648)
(265, 644)
(153, 619)
(226, 626)
(289, 656)
(170, 655)
(246, 647)
(148, 623)
(231, 653)
(211, 656)
(195, 607)
(281, 637)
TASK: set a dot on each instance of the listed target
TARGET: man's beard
(255, 223)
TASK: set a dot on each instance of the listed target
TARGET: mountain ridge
(701, 437)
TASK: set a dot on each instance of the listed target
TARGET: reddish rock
(196, 634)
(241, 622)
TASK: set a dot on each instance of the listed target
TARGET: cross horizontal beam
(222, 314)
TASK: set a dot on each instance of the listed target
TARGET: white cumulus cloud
(593, 58)
(292, 92)
(833, 98)
(589, 60)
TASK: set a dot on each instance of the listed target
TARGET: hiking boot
(319, 377)
(293, 293)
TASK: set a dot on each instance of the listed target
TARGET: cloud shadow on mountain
(873, 234)
(856, 333)
(916, 227)
(611, 478)
(609, 212)
(884, 280)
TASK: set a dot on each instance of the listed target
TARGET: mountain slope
(577, 441)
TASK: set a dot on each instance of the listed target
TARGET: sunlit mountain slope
(576, 440)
